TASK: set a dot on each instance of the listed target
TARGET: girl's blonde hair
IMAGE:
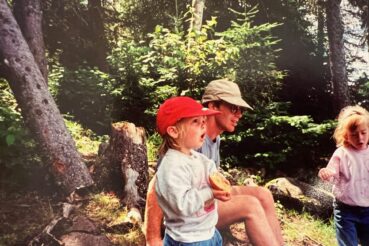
(169, 142)
(349, 119)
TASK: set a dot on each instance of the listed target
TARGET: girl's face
(193, 133)
(359, 137)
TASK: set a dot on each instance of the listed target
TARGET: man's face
(229, 117)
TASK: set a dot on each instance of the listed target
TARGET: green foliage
(107, 210)
(256, 54)
(153, 144)
(304, 229)
(18, 152)
(127, 69)
(87, 142)
(272, 139)
(55, 75)
(174, 62)
(88, 95)
(10, 117)
(360, 91)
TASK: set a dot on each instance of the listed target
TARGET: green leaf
(10, 139)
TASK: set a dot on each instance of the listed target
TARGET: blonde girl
(348, 170)
(182, 180)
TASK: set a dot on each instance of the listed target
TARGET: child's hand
(326, 173)
(221, 195)
(218, 182)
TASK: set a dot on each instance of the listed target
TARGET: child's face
(193, 134)
(359, 137)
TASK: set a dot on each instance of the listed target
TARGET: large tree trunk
(38, 107)
(337, 54)
(28, 14)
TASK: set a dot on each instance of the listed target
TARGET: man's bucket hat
(226, 90)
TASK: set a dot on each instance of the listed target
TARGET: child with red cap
(182, 186)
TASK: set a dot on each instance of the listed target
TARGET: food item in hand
(219, 182)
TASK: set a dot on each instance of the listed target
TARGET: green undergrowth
(304, 229)
(107, 210)
(87, 142)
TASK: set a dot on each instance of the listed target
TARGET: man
(252, 205)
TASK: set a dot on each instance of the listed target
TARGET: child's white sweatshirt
(185, 196)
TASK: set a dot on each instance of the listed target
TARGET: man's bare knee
(252, 209)
(265, 196)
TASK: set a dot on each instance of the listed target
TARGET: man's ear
(172, 132)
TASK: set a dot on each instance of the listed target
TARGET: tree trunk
(38, 107)
(96, 24)
(320, 32)
(337, 54)
(198, 11)
(28, 14)
(126, 157)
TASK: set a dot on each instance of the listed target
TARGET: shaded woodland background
(102, 61)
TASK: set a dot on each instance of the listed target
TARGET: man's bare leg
(266, 199)
(153, 217)
(248, 209)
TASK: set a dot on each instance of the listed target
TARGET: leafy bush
(87, 142)
(176, 62)
(88, 95)
(153, 143)
(18, 153)
(254, 60)
(270, 138)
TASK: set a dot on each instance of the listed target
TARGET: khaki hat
(226, 90)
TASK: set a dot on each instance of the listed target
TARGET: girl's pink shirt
(351, 179)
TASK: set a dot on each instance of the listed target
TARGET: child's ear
(172, 132)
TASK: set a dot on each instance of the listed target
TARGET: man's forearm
(153, 216)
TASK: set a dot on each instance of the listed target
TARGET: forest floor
(24, 215)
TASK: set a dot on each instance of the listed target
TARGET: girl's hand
(221, 195)
(326, 173)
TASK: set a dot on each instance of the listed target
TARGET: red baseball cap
(177, 108)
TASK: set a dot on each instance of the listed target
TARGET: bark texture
(300, 196)
(28, 14)
(124, 163)
(198, 7)
(337, 54)
(38, 107)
